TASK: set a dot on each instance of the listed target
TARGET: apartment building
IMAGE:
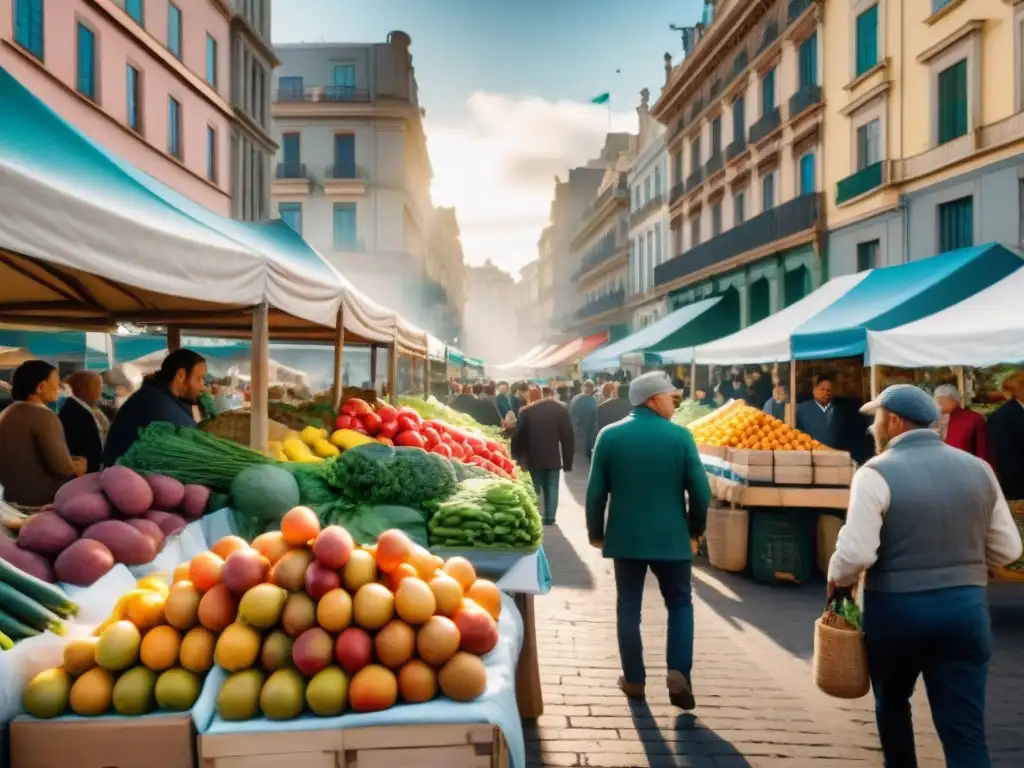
(490, 325)
(600, 246)
(648, 218)
(529, 322)
(252, 146)
(924, 128)
(744, 113)
(447, 267)
(352, 173)
(148, 80)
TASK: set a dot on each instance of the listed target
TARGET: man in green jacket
(650, 468)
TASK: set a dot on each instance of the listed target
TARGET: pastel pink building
(149, 80)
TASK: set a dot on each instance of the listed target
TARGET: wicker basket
(828, 532)
(840, 665)
(236, 426)
(727, 538)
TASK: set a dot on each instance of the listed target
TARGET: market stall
(517, 364)
(565, 358)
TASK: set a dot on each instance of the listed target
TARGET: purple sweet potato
(194, 504)
(150, 530)
(85, 509)
(167, 492)
(169, 523)
(127, 490)
(126, 544)
(84, 562)
(29, 562)
(72, 488)
(46, 533)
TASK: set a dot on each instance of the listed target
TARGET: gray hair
(950, 391)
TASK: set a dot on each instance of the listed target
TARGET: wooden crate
(395, 746)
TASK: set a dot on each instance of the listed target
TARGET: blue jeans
(545, 482)
(945, 636)
(674, 581)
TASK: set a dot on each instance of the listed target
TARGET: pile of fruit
(302, 620)
(114, 516)
(689, 411)
(743, 426)
(486, 513)
(29, 606)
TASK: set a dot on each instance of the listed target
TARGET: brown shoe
(679, 691)
(632, 690)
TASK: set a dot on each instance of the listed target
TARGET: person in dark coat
(615, 408)
(506, 402)
(80, 418)
(583, 411)
(776, 404)
(819, 417)
(544, 445)
(168, 395)
(1006, 439)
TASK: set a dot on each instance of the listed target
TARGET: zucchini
(28, 610)
(14, 629)
(48, 595)
(5, 642)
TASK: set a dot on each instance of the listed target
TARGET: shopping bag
(840, 664)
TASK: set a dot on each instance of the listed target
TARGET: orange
(160, 647)
(403, 571)
(145, 610)
(299, 526)
(228, 544)
(204, 571)
(181, 572)
(487, 595)
(460, 569)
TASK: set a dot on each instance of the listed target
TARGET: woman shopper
(958, 426)
(647, 474)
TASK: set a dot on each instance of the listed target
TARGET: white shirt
(860, 537)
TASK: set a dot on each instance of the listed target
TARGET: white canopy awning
(985, 329)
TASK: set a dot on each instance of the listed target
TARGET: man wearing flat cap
(646, 474)
(925, 521)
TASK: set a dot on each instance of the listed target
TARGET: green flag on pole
(602, 99)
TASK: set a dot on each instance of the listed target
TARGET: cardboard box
(790, 475)
(834, 475)
(754, 473)
(831, 458)
(779, 496)
(718, 451)
(750, 458)
(792, 458)
(160, 741)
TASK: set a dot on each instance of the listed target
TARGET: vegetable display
(29, 606)
(432, 409)
(689, 411)
(487, 514)
(384, 475)
(303, 622)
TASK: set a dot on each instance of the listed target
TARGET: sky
(506, 85)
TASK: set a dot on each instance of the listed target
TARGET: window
(677, 165)
(344, 226)
(956, 224)
(807, 185)
(768, 92)
(953, 102)
(345, 75)
(695, 155)
(739, 119)
(28, 26)
(867, 255)
(767, 191)
(809, 61)
(738, 204)
(211, 153)
(86, 62)
(695, 231)
(174, 29)
(716, 219)
(133, 86)
(291, 214)
(938, 5)
(290, 89)
(135, 9)
(344, 156)
(867, 40)
(650, 249)
(174, 127)
(716, 136)
(657, 180)
(291, 149)
(869, 144)
(647, 190)
(636, 197)
(211, 60)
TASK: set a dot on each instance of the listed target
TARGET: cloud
(498, 168)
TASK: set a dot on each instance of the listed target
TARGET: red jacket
(966, 431)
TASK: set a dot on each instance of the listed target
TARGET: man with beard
(924, 520)
(168, 395)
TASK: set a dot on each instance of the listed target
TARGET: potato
(84, 562)
(78, 486)
(150, 530)
(46, 533)
(167, 492)
(85, 509)
(29, 562)
(127, 490)
(126, 544)
(193, 506)
(169, 523)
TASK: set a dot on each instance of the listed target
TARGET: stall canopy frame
(574, 350)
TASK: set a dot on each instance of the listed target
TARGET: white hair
(950, 391)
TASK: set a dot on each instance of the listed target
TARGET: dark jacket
(82, 433)
(611, 411)
(647, 473)
(507, 403)
(543, 438)
(152, 402)
(824, 426)
(1006, 441)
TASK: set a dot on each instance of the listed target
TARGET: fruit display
(743, 426)
(689, 411)
(302, 620)
(104, 518)
(487, 514)
(29, 606)
(432, 408)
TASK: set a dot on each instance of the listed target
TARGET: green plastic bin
(782, 545)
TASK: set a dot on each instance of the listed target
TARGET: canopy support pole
(173, 338)
(373, 366)
(426, 376)
(259, 378)
(339, 360)
(791, 410)
(693, 375)
(961, 383)
(874, 381)
(393, 373)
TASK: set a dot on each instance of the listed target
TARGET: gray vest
(933, 535)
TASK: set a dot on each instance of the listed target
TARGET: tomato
(410, 438)
(446, 438)
(406, 424)
(457, 452)
(492, 446)
(431, 436)
(357, 426)
(388, 429)
(405, 410)
(344, 421)
(384, 440)
(371, 421)
(387, 413)
(475, 443)
(457, 434)
(443, 450)
(356, 407)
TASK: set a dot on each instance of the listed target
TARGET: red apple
(320, 580)
(333, 547)
(353, 649)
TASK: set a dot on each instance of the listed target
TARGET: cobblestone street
(756, 705)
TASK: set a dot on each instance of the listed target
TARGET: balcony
(798, 215)
(344, 179)
(716, 88)
(604, 253)
(694, 180)
(606, 303)
(322, 93)
(696, 108)
(796, 9)
(292, 179)
(677, 193)
(808, 96)
(769, 36)
(766, 126)
(618, 191)
(644, 210)
(735, 149)
(863, 181)
(714, 165)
